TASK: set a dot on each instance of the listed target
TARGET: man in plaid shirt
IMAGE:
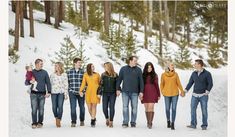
(75, 76)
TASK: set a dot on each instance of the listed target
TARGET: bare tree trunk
(173, 28)
(17, 19)
(166, 22)
(76, 5)
(137, 25)
(150, 19)
(84, 14)
(56, 12)
(61, 11)
(188, 33)
(160, 29)
(210, 28)
(119, 25)
(25, 10)
(13, 6)
(146, 31)
(47, 5)
(107, 15)
(21, 19)
(31, 19)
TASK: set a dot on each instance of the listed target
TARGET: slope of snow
(47, 41)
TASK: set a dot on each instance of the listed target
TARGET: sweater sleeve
(209, 82)
(162, 84)
(119, 79)
(83, 83)
(190, 83)
(179, 84)
(48, 83)
(157, 86)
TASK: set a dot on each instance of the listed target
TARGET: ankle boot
(172, 126)
(168, 124)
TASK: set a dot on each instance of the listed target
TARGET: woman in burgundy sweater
(151, 92)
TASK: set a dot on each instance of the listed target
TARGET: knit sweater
(170, 84)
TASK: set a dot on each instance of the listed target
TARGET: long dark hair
(146, 73)
(89, 70)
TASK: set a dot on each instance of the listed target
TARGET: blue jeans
(73, 98)
(37, 106)
(108, 102)
(194, 103)
(171, 103)
(57, 105)
(133, 98)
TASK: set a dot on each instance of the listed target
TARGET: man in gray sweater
(37, 98)
(132, 86)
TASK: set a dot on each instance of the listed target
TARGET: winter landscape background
(97, 49)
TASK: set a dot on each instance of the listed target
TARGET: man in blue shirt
(37, 98)
(203, 83)
(75, 76)
(132, 86)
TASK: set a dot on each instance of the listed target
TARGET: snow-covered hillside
(47, 41)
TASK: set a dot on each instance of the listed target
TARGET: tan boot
(58, 124)
(111, 124)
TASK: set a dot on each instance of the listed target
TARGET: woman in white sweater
(59, 83)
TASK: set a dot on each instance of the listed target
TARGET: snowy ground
(47, 41)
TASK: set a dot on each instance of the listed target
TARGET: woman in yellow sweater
(91, 79)
(170, 86)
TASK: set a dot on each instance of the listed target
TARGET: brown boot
(107, 122)
(111, 124)
(148, 118)
(151, 115)
(58, 122)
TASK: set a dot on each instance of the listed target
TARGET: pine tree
(130, 48)
(182, 59)
(214, 54)
(67, 53)
(81, 52)
(95, 15)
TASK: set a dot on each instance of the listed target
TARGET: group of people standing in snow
(89, 86)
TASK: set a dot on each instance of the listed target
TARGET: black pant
(108, 101)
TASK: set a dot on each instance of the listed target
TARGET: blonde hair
(110, 70)
(168, 63)
(61, 67)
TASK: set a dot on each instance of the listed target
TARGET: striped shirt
(75, 79)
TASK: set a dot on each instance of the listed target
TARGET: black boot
(172, 126)
(168, 124)
(93, 122)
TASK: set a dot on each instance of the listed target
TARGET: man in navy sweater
(37, 98)
(203, 83)
(132, 86)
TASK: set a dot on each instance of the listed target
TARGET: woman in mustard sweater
(170, 86)
(91, 79)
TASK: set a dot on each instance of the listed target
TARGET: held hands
(81, 94)
(118, 92)
(182, 94)
(47, 95)
(65, 96)
(141, 96)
